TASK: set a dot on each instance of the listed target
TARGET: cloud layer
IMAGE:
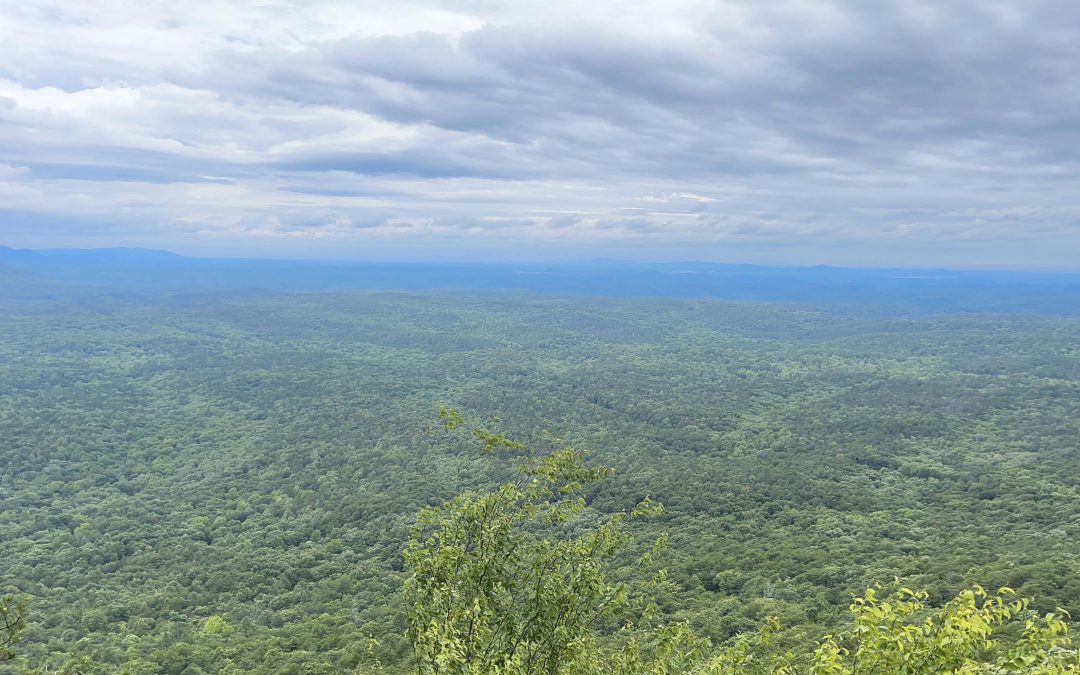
(848, 132)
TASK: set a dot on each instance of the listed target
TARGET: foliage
(899, 635)
(12, 624)
(751, 653)
(507, 581)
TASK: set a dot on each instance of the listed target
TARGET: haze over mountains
(923, 290)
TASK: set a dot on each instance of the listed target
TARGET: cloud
(843, 129)
(10, 171)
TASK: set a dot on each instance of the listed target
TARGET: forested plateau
(225, 480)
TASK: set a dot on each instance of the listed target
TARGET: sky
(852, 132)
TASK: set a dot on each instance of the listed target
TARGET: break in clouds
(925, 133)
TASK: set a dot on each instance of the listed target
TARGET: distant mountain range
(144, 270)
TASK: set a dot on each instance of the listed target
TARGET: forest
(226, 479)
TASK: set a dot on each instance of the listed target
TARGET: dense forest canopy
(224, 479)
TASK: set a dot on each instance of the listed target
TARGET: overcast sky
(794, 132)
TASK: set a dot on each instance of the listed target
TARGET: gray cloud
(837, 127)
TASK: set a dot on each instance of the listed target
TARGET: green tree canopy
(508, 581)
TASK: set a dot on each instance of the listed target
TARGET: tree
(12, 623)
(900, 634)
(510, 581)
